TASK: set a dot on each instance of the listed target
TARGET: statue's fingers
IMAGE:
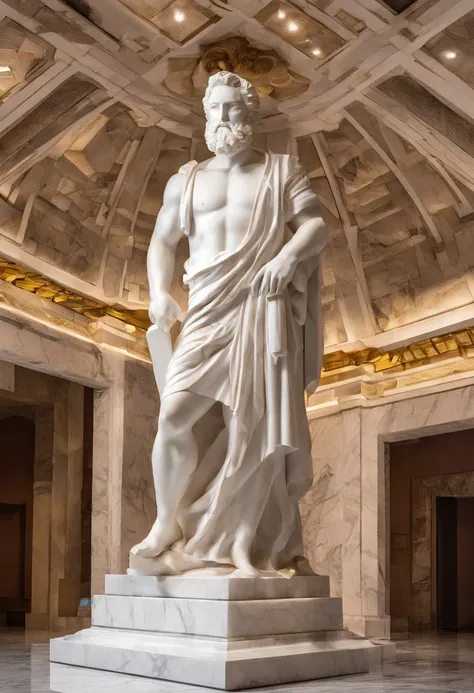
(280, 285)
(265, 286)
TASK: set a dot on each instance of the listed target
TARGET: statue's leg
(174, 459)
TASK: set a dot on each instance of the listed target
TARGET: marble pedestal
(225, 633)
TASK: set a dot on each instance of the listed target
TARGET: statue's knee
(170, 419)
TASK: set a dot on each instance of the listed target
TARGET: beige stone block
(51, 117)
(10, 219)
(7, 376)
(378, 284)
(62, 202)
(40, 174)
(28, 7)
(51, 21)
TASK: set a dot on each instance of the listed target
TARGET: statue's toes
(144, 550)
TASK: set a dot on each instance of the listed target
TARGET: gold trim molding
(37, 284)
(424, 353)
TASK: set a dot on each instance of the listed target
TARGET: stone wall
(345, 516)
(125, 414)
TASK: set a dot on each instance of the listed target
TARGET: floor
(429, 663)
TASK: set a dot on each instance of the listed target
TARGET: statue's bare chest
(223, 193)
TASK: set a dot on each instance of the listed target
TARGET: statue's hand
(275, 276)
(163, 310)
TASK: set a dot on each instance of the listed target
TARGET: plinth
(220, 632)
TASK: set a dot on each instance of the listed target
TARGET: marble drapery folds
(248, 353)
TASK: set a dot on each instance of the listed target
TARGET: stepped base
(225, 642)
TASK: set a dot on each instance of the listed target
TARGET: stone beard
(228, 137)
(228, 478)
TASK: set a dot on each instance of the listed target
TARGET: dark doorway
(431, 463)
(455, 563)
(17, 434)
(13, 601)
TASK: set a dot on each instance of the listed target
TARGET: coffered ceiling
(100, 102)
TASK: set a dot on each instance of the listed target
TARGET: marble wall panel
(373, 517)
(331, 509)
(107, 461)
(345, 512)
(141, 408)
(66, 500)
(42, 488)
(123, 499)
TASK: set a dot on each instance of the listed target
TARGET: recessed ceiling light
(316, 51)
(450, 55)
(179, 16)
(281, 14)
(292, 26)
(4, 69)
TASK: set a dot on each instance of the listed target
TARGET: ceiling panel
(300, 30)
(454, 48)
(179, 20)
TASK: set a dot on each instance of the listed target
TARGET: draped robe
(254, 356)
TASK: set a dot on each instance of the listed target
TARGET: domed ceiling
(100, 102)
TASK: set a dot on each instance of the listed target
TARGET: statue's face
(226, 106)
(227, 129)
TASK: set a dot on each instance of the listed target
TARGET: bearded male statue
(251, 342)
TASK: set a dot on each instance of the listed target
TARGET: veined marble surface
(218, 618)
(161, 656)
(427, 664)
(221, 643)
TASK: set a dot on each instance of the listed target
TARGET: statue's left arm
(309, 238)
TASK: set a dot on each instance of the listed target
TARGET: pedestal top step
(225, 588)
(218, 618)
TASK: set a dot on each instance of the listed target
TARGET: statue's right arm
(161, 255)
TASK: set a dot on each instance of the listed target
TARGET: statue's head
(231, 106)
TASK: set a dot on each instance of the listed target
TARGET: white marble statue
(232, 453)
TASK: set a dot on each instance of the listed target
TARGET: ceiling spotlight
(4, 70)
(281, 14)
(450, 55)
(316, 51)
(292, 26)
(179, 16)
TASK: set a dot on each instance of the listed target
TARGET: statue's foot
(241, 559)
(247, 571)
(159, 539)
(302, 568)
